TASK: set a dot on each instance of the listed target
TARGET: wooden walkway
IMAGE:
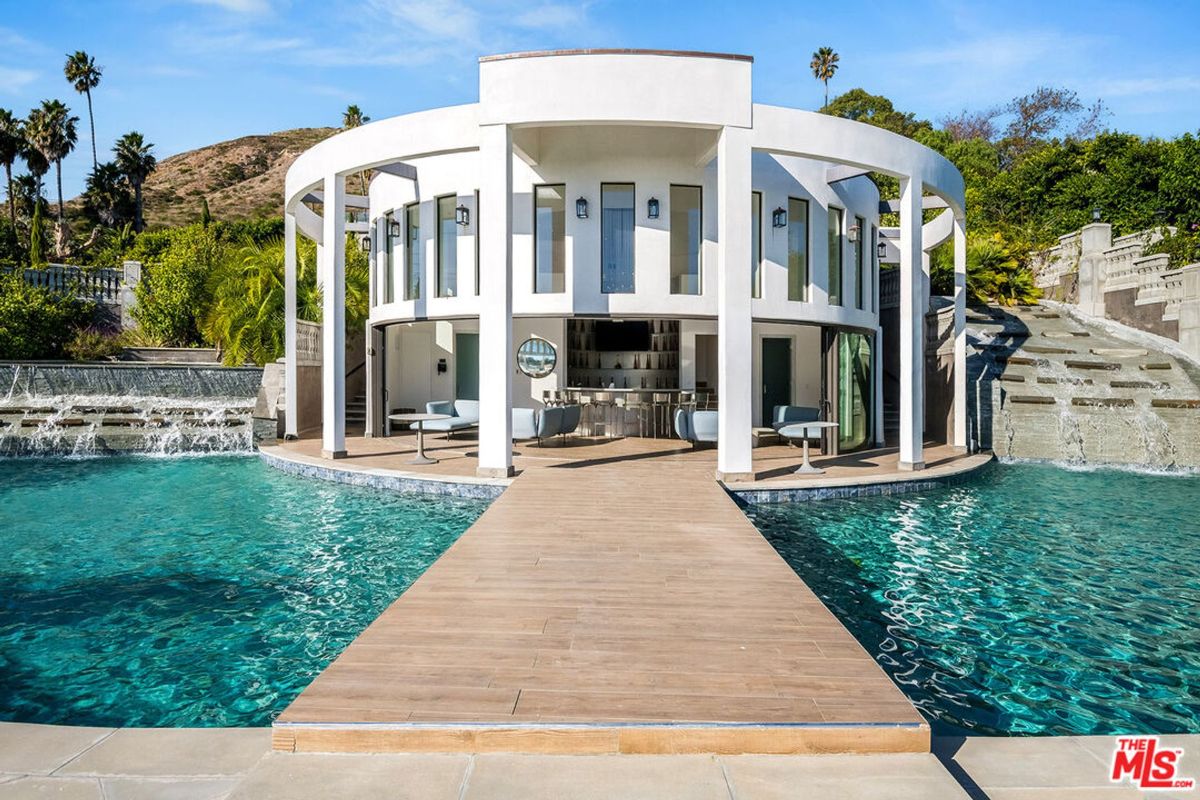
(606, 607)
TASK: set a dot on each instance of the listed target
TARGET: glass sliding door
(549, 238)
(797, 249)
(616, 238)
(756, 244)
(836, 217)
(447, 247)
(413, 261)
(686, 237)
(854, 394)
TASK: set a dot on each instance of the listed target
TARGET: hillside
(241, 178)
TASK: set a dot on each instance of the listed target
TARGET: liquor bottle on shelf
(635, 361)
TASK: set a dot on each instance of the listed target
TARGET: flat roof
(617, 52)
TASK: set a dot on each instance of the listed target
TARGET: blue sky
(191, 72)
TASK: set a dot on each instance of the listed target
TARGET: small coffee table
(801, 430)
(419, 420)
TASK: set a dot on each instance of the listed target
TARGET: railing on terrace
(102, 285)
(308, 343)
(889, 288)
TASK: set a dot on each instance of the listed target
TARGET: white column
(495, 303)
(735, 354)
(333, 318)
(960, 333)
(291, 381)
(912, 328)
(375, 409)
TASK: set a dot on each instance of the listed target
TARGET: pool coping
(379, 478)
(804, 490)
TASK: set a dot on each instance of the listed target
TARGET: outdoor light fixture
(581, 208)
(1095, 215)
(366, 244)
(852, 233)
(779, 218)
(394, 229)
(462, 215)
(882, 249)
(652, 208)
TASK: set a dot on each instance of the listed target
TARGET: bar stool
(636, 402)
(603, 404)
(585, 410)
(547, 397)
(661, 402)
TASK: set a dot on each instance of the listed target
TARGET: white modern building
(638, 224)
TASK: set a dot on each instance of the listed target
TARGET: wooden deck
(606, 605)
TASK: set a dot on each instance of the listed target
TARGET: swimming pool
(192, 591)
(1029, 600)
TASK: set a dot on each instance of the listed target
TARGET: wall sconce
(779, 218)
(441, 366)
(882, 249)
(852, 233)
(581, 208)
(365, 244)
(394, 229)
(462, 215)
(652, 208)
(1096, 214)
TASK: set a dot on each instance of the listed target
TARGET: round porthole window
(536, 358)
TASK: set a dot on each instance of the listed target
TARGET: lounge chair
(463, 414)
(696, 426)
(791, 415)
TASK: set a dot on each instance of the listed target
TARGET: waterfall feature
(85, 410)
(1075, 394)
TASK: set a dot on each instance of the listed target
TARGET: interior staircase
(356, 411)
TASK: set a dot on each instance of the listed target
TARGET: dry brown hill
(241, 178)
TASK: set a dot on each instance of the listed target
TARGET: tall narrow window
(756, 244)
(447, 247)
(478, 266)
(873, 254)
(686, 237)
(412, 252)
(549, 238)
(391, 243)
(836, 216)
(797, 249)
(860, 267)
(616, 238)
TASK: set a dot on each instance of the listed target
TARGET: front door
(776, 376)
(466, 366)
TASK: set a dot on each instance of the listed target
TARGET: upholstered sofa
(792, 415)
(528, 423)
(463, 414)
(696, 426)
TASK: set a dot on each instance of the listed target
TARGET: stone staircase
(356, 411)
(1046, 386)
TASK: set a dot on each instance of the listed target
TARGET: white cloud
(13, 80)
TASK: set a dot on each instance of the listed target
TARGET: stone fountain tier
(1053, 388)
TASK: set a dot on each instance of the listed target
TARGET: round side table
(801, 430)
(419, 420)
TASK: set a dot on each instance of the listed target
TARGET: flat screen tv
(622, 336)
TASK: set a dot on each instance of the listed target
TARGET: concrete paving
(237, 764)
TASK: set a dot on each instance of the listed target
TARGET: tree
(205, 215)
(968, 125)
(873, 109)
(35, 162)
(353, 117)
(37, 237)
(824, 64)
(11, 142)
(35, 323)
(50, 129)
(172, 297)
(82, 73)
(135, 159)
(107, 196)
(1046, 111)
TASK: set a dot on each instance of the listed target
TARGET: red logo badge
(1148, 765)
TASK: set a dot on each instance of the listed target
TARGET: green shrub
(1182, 247)
(172, 296)
(36, 323)
(93, 344)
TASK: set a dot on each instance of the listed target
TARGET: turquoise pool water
(1031, 600)
(192, 591)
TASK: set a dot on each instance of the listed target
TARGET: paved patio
(39, 761)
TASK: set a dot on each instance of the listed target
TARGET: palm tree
(84, 75)
(106, 193)
(353, 117)
(11, 142)
(135, 159)
(50, 130)
(824, 64)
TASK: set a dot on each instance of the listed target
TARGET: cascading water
(71, 410)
